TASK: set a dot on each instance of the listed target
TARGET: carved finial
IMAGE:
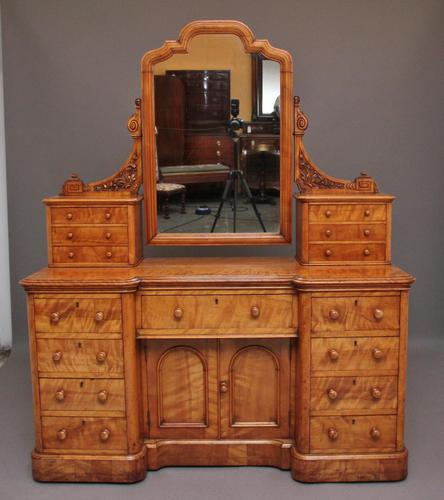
(297, 100)
(134, 127)
(138, 102)
(301, 121)
(74, 185)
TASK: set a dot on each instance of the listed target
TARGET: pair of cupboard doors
(218, 389)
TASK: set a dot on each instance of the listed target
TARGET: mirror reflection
(217, 122)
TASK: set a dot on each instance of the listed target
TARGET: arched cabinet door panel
(255, 388)
(182, 389)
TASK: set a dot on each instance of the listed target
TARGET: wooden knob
(378, 313)
(375, 433)
(71, 255)
(367, 212)
(99, 316)
(218, 143)
(328, 233)
(60, 395)
(105, 434)
(107, 215)
(366, 232)
(108, 236)
(333, 314)
(109, 255)
(55, 317)
(57, 356)
(333, 354)
(333, 434)
(62, 434)
(366, 252)
(69, 216)
(178, 313)
(70, 236)
(376, 392)
(377, 353)
(224, 386)
(102, 396)
(327, 252)
(328, 213)
(101, 356)
(332, 394)
(218, 153)
(255, 312)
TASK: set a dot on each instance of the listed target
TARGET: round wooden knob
(62, 434)
(366, 232)
(101, 356)
(218, 153)
(218, 143)
(102, 396)
(99, 316)
(69, 216)
(367, 212)
(109, 255)
(224, 387)
(107, 215)
(57, 356)
(333, 434)
(333, 314)
(70, 236)
(333, 354)
(378, 313)
(328, 213)
(366, 252)
(178, 313)
(328, 233)
(376, 392)
(60, 395)
(327, 252)
(375, 433)
(108, 236)
(377, 353)
(105, 434)
(332, 394)
(71, 255)
(55, 317)
(255, 312)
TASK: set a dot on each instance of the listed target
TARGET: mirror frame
(180, 46)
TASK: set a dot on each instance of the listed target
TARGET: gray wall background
(370, 74)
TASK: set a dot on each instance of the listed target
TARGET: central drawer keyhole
(216, 301)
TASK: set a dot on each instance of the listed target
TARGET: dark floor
(424, 436)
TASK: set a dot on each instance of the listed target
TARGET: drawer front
(82, 394)
(347, 232)
(93, 235)
(81, 434)
(339, 314)
(95, 357)
(353, 354)
(354, 393)
(217, 311)
(89, 215)
(92, 254)
(330, 252)
(72, 315)
(353, 434)
(347, 213)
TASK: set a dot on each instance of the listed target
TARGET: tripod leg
(221, 204)
(253, 204)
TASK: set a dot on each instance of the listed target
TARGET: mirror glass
(217, 160)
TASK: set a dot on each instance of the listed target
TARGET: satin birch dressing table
(141, 363)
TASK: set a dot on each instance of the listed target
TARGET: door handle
(224, 386)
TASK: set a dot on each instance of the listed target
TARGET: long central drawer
(217, 311)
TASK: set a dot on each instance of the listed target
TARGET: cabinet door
(254, 388)
(182, 389)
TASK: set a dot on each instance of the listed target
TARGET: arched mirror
(216, 119)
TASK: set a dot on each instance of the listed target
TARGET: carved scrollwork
(125, 180)
(301, 120)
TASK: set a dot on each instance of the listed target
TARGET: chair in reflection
(164, 192)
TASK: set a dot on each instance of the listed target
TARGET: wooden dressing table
(297, 363)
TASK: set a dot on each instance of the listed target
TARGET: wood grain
(346, 212)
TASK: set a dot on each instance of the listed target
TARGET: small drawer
(347, 212)
(336, 394)
(84, 434)
(95, 357)
(217, 311)
(90, 255)
(340, 252)
(347, 232)
(89, 215)
(91, 235)
(354, 354)
(353, 434)
(68, 394)
(342, 314)
(73, 315)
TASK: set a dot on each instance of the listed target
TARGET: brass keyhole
(216, 301)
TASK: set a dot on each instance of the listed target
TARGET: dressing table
(292, 362)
